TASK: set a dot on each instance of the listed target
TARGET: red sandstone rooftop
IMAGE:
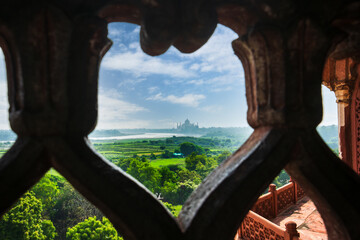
(306, 216)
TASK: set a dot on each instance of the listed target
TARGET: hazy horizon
(100, 129)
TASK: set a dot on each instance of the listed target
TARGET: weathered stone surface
(53, 51)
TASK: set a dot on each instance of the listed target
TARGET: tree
(228, 142)
(167, 175)
(174, 209)
(24, 221)
(192, 161)
(47, 191)
(282, 179)
(224, 155)
(70, 209)
(92, 229)
(186, 175)
(146, 174)
(124, 163)
(188, 148)
(174, 167)
(184, 190)
(166, 154)
(177, 193)
(200, 163)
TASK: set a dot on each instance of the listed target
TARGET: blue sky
(139, 91)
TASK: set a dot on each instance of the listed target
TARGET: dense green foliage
(25, 221)
(92, 229)
(47, 191)
(330, 135)
(223, 156)
(50, 208)
(188, 148)
(282, 179)
(174, 209)
(70, 209)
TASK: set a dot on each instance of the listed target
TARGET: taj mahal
(187, 126)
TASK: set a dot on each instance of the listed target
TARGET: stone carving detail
(285, 197)
(357, 133)
(264, 208)
(338, 78)
(252, 229)
(281, 197)
(300, 192)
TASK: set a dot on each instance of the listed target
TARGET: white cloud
(217, 54)
(153, 89)
(113, 110)
(212, 108)
(220, 83)
(195, 67)
(124, 124)
(138, 63)
(136, 30)
(130, 83)
(122, 47)
(134, 45)
(222, 89)
(187, 100)
(197, 82)
(115, 32)
(216, 64)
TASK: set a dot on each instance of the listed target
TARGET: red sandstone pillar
(344, 128)
(295, 199)
(338, 77)
(291, 231)
(273, 191)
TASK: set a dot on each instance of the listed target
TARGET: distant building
(178, 155)
(187, 126)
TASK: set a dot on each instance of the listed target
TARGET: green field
(170, 161)
(119, 149)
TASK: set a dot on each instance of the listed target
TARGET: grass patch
(168, 161)
(176, 209)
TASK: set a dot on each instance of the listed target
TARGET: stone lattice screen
(299, 191)
(257, 224)
(264, 206)
(53, 51)
(285, 197)
(255, 227)
(272, 203)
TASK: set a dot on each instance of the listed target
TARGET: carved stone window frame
(53, 51)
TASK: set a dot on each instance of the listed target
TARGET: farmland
(115, 150)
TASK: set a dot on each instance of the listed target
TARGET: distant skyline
(140, 91)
